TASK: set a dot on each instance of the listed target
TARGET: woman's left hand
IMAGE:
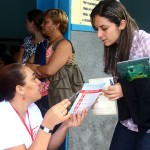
(76, 119)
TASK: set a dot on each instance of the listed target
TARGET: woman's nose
(42, 24)
(100, 34)
(38, 81)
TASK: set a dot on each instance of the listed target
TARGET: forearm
(30, 60)
(46, 71)
(58, 137)
(41, 141)
(20, 56)
(42, 138)
(31, 66)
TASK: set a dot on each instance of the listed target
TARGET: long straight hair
(115, 12)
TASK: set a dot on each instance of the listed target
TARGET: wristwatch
(46, 130)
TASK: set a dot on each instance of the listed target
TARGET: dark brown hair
(11, 76)
(115, 12)
(37, 16)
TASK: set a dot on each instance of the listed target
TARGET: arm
(59, 58)
(52, 117)
(20, 56)
(114, 92)
(30, 62)
(58, 137)
(31, 59)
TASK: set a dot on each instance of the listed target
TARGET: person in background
(35, 41)
(5, 58)
(2, 52)
(124, 41)
(14, 52)
(34, 19)
(22, 126)
(54, 56)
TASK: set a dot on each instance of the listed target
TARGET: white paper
(104, 105)
(87, 96)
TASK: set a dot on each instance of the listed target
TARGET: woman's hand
(56, 114)
(75, 119)
(114, 92)
(32, 66)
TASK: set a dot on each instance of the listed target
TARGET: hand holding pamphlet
(104, 106)
(87, 96)
(91, 92)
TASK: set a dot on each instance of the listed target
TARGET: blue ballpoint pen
(111, 82)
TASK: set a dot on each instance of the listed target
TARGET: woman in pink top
(53, 55)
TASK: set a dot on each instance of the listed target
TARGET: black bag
(66, 82)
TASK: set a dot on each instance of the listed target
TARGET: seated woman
(22, 126)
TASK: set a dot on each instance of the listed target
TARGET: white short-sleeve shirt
(12, 130)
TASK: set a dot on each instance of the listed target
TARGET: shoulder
(141, 35)
(34, 111)
(11, 127)
(64, 43)
(140, 38)
(28, 38)
(33, 107)
(4, 105)
(140, 45)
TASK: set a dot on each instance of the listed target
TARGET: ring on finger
(63, 113)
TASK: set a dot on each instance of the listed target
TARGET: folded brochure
(87, 96)
(104, 106)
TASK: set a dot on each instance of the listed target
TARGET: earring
(23, 98)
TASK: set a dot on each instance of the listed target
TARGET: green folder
(134, 69)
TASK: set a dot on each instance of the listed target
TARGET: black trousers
(125, 139)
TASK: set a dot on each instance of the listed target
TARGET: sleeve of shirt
(145, 44)
(137, 97)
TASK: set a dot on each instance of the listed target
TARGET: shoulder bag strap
(56, 44)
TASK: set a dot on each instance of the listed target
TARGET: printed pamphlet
(104, 106)
(87, 96)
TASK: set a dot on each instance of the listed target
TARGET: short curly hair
(58, 16)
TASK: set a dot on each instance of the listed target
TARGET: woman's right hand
(56, 114)
(114, 92)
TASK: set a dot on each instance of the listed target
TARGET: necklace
(29, 129)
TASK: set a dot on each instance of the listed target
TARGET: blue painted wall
(61, 4)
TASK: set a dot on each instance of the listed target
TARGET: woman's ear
(19, 89)
(57, 25)
(122, 24)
